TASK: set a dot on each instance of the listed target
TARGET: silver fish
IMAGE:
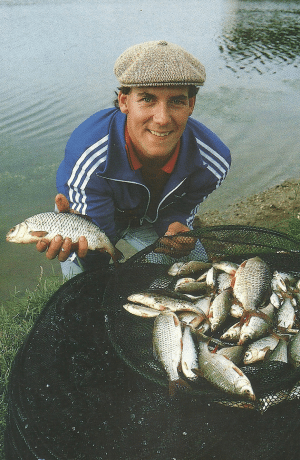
(275, 299)
(68, 225)
(278, 283)
(223, 281)
(256, 324)
(190, 286)
(225, 266)
(294, 350)
(190, 318)
(223, 373)
(235, 353)
(211, 278)
(189, 354)
(251, 283)
(141, 310)
(233, 333)
(219, 309)
(167, 347)
(188, 268)
(286, 315)
(236, 310)
(162, 302)
(280, 352)
(257, 351)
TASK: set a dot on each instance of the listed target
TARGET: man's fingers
(65, 250)
(82, 247)
(54, 247)
(62, 203)
(42, 245)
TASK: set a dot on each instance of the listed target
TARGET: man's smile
(159, 134)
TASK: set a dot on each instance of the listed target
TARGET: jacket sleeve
(95, 199)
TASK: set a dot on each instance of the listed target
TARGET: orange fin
(40, 234)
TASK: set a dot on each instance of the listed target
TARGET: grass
(17, 316)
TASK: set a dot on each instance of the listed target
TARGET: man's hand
(177, 247)
(59, 247)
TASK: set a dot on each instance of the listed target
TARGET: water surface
(56, 69)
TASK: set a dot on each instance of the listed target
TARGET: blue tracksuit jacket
(97, 179)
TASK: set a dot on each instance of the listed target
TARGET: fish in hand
(49, 224)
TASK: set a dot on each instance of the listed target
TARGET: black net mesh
(85, 383)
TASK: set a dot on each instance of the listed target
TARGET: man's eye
(147, 99)
(179, 101)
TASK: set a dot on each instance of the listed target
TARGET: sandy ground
(267, 209)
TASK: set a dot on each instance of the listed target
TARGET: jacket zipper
(159, 204)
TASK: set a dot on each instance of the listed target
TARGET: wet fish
(211, 278)
(190, 286)
(189, 354)
(257, 350)
(228, 267)
(256, 324)
(236, 310)
(223, 281)
(275, 300)
(191, 319)
(140, 310)
(70, 225)
(188, 268)
(294, 350)
(251, 283)
(280, 352)
(162, 302)
(219, 309)
(286, 315)
(233, 333)
(223, 373)
(235, 353)
(167, 347)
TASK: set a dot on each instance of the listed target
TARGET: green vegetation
(17, 317)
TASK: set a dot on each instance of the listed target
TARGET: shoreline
(270, 208)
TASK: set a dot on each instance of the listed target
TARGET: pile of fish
(191, 337)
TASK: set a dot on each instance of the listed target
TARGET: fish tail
(179, 384)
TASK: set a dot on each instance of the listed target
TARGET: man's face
(156, 119)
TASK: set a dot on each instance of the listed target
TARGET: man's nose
(161, 114)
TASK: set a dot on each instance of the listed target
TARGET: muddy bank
(270, 208)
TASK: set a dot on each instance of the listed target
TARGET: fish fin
(178, 384)
(268, 352)
(176, 320)
(39, 234)
(238, 371)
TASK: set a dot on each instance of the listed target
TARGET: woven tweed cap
(158, 63)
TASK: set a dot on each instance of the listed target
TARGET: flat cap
(158, 63)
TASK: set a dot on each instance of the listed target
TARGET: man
(141, 169)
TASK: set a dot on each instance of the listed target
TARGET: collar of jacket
(117, 166)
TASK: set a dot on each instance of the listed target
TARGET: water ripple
(261, 41)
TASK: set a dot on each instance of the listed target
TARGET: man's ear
(192, 101)
(122, 99)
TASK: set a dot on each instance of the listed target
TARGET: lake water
(56, 70)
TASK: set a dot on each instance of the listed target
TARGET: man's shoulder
(93, 130)
(206, 138)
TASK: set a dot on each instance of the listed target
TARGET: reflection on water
(262, 37)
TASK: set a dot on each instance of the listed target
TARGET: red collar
(135, 162)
